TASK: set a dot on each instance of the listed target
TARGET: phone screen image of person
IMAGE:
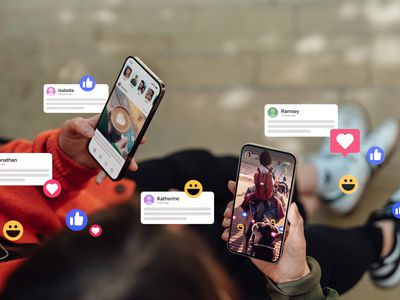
(264, 186)
(123, 117)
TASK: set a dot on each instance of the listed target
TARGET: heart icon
(95, 230)
(52, 188)
(345, 140)
(121, 119)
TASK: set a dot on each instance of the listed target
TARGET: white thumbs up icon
(87, 83)
(375, 155)
(76, 219)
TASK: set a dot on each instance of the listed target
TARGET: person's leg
(343, 254)
(321, 173)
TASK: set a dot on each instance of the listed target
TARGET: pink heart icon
(52, 188)
(95, 230)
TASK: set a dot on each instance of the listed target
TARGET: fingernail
(89, 132)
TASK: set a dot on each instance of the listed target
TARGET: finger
(133, 166)
(225, 235)
(100, 177)
(143, 141)
(93, 120)
(294, 216)
(228, 210)
(78, 126)
(231, 186)
(226, 222)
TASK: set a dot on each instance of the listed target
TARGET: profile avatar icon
(50, 91)
(272, 112)
(148, 199)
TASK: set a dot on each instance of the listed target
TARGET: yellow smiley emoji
(13, 230)
(193, 188)
(348, 184)
(240, 227)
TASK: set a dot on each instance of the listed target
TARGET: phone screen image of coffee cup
(263, 190)
(123, 117)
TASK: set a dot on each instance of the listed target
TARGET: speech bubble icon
(345, 141)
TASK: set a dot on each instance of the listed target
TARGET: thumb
(231, 186)
(77, 214)
(295, 240)
(294, 218)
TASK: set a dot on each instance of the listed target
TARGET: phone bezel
(138, 139)
(287, 208)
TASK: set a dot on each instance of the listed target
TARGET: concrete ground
(222, 62)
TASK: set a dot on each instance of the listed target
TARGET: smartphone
(264, 187)
(133, 100)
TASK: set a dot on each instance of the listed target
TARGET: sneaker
(386, 272)
(331, 167)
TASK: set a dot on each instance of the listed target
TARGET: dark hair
(128, 261)
(265, 158)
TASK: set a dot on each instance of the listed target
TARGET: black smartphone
(264, 187)
(129, 109)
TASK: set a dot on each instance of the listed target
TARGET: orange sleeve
(72, 176)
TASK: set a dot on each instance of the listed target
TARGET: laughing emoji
(193, 188)
(13, 230)
(348, 184)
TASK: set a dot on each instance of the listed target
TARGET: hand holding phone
(132, 103)
(263, 192)
(73, 139)
(293, 264)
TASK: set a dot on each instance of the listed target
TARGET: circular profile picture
(247, 154)
(272, 112)
(142, 86)
(127, 72)
(148, 199)
(50, 91)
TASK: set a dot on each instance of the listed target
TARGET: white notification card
(176, 208)
(25, 168)
(71, 98)
(300, 120)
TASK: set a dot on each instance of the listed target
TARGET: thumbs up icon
(76, 219)
(87, 83)
(375, 155)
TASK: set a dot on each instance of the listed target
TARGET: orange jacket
(41, 216)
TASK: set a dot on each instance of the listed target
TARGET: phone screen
(264, 186)
(130, 103)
